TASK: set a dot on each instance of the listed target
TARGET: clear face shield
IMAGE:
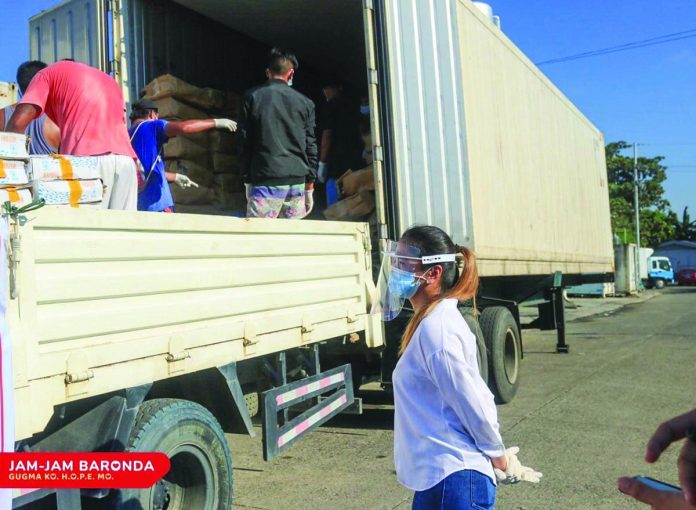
(400, 277)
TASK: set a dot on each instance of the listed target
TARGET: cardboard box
(183, 148)
(13, 173)
(352, 208)
(223, 141)
(172, 109)
(13, 146)
(225, 163)
(71, 192)
(19, 197)
(53, 168)
(199, 174)
(201, 195)
(166, 86)
(351, 183)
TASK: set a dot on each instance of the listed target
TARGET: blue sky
(647, 95)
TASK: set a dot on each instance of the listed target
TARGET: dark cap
(144, 104)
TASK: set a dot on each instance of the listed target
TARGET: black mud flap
(279, 434)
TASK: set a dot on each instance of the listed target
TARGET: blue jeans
(462, 490)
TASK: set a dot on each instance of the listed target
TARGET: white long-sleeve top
(445, 416)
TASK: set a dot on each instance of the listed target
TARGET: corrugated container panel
(428, 115)
(164, 37)
(72, 29)
(537, 170)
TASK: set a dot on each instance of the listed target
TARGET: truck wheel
(504, 352)
(659, 284)
(481, 351)
(201, 464)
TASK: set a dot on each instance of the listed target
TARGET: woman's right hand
(514, 470)
(500, 463)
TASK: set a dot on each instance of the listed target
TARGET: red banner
(82, 470)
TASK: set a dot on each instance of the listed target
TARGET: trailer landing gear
(552, 312)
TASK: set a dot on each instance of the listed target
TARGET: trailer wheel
(502, 338)
(201, 464)
(659, 283)
(481, 351)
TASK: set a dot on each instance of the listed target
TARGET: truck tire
(481, 351)
(201, 464)
(659, 283)
(502, 338)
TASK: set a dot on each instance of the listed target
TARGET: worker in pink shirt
(87, 105)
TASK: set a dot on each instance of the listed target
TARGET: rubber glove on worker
(226, 124)
(515, 471)
(183, 181)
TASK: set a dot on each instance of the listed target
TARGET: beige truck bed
(111, 299)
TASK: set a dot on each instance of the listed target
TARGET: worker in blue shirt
(148, 134)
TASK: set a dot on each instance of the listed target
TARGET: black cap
(144, 104)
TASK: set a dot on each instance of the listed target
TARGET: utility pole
(636, 204)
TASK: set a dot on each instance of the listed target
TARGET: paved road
(582, 419)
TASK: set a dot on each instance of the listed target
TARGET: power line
(676, 36)
(668, 143)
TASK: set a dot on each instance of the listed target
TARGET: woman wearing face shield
(447, 444)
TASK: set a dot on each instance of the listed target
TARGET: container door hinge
(352, 315)
(367, 246)
(173, 357)
(14, 255)
(250, 338)
(307, 329)
(77, 375)
(177, 354)
(370, 5)
(378, 153)
(383, 231)
(373, 77)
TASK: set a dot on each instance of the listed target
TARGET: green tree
(685, 230)
(657, 221)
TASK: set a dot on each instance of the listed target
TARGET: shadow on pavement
(682, 290)
(378, 413)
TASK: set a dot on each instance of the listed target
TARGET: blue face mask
(365, 109)
(290, 82)
(403, 284)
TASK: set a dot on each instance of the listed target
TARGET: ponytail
(464, 289)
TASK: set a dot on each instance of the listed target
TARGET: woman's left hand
(515, 471)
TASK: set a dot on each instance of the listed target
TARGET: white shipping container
(469, 134)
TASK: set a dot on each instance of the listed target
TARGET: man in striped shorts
(278, 144)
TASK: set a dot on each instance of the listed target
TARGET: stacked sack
(73, 181)
(358, 188)
(14, 182)
(207, 158)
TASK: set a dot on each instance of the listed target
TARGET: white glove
(515, 471)
(322, 171)
(309, 200)
(247, 189)
(225, 124)
(183, 181)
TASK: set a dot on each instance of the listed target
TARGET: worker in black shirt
(278, 144)
(341, 146)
